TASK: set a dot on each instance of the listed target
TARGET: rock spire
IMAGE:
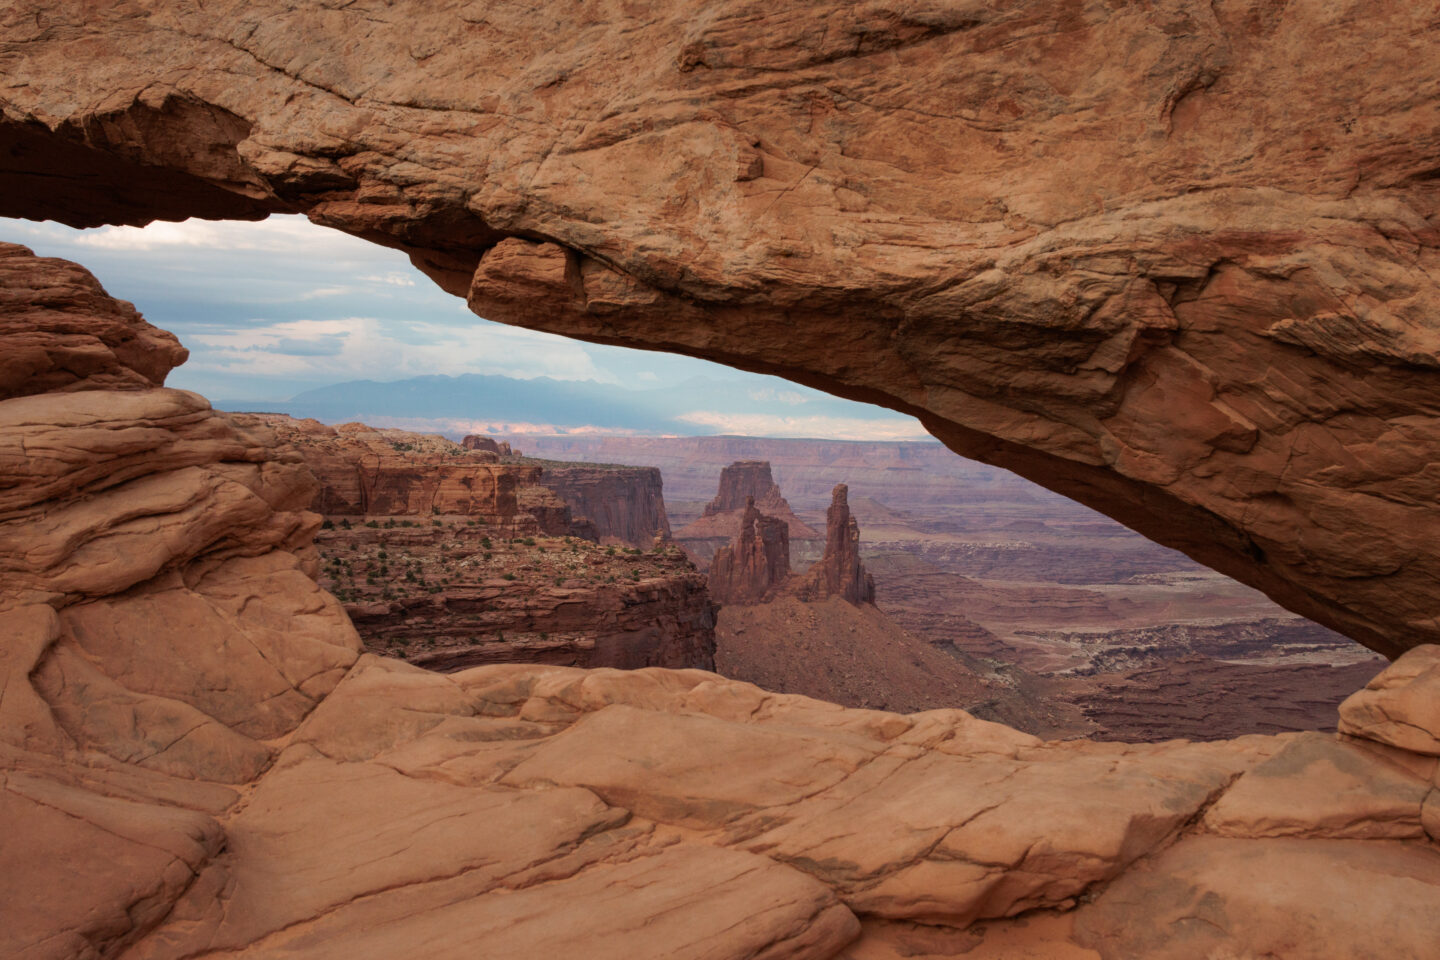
(839, 573)
(755, 563)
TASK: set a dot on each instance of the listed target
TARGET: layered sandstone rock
(447, 594)
(486, 444)
(1156, 285)
(364, 471)
(1401, 706)
(753, 565)
(194, 760)
(63, 333)
(161, 627)
(745, 481)
(624, 504)
(839, 573)
(740, 483)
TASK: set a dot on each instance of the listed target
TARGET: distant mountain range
(755, 405)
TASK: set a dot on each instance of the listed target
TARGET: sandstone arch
(1178, 262)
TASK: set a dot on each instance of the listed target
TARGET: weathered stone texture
(1106, 246)
(839, 572)
(755, 563)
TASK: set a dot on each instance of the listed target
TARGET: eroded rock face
(741, 483)
(754, 564)
(1401, 706)
(624, 504)
(448, 594)
(363, 471)
(1160, 285)
(63, 333)
(486, 444)
(839, 573)
(194, 759)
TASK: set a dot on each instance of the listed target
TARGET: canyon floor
(1077, 625)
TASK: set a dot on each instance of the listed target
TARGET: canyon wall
(1155, 282)
(447, 593)
(900, 474)
(364, 471)
(196, 758)
(625, 504)
(432, 547)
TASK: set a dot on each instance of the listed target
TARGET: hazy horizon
(275, 309)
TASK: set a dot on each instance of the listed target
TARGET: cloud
(772, 395)
(330, 346)
(390, 279)
(831, 428)
(278, 234)
(369, 348)
(319, 292)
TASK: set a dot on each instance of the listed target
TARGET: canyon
(454, 555)
(818, 632)
(198, 758)
(1052, 618)
(1102, 245)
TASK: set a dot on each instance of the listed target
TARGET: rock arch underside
(1177, 261)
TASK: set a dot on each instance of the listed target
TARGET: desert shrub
(509, 576)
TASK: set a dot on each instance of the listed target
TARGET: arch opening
(1030, 591)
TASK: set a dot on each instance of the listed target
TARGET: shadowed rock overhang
(1178, 262)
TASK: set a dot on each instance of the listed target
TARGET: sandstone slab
(1307, 900)
(1401, 706)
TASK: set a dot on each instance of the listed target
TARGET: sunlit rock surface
(194, 762)
(1107, 246)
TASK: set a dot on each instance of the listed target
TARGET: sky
(278, 307)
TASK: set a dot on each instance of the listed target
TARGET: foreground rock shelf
(528, 810)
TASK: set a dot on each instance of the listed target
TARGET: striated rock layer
(755, 563)
(195, 760)
(395, 473)
(624, 504)
(447, 594)
(1151, 280)
(740, 483)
